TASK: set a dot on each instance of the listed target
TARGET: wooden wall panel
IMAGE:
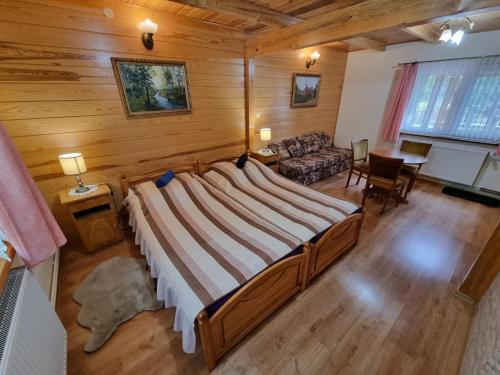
(273, 91)
(58, 92)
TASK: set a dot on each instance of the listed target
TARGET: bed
(330, 225)
(207, 250)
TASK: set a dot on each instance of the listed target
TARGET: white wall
(369, 76)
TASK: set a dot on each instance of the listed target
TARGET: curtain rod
(438, 60)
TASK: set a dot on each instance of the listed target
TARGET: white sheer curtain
(456, 99)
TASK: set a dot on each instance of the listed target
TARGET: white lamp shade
(265, 134)
(315, 55)
(148, 26)
(72, 164)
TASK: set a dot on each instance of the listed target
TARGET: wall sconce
(257, 115)
(148, 28)
(311, 60)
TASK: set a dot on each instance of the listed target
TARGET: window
(456, 99)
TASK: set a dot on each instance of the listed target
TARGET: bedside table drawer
(89, 204)
(98, 229)
(95, 217)
(266, 159)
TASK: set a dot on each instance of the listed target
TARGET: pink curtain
(400, 95)
(498, 150)
(25, 218)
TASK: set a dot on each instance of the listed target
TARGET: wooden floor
(385, 308)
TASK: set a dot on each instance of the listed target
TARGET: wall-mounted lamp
(311, 60)
(257, 115)
(447, 35)
(148, 28)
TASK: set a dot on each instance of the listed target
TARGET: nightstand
(94, 215)
(272, 161)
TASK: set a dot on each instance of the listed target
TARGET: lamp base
(147, 40)
(265, 152)
(81, 189)
(87, 189)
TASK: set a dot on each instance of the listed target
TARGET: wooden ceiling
(263, 17)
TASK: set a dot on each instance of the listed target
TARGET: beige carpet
(482, 355)
(114, 292)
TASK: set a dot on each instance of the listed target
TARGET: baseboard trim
(485, 192)
(55, 279)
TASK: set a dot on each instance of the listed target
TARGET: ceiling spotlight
(457, 37)
(470, 22)
(445, 33)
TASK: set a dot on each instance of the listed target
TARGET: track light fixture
(448, 36)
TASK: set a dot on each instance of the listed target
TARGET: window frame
(449, 125)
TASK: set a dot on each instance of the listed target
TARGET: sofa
(311, 157)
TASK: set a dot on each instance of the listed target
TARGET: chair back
(417, 148)
(359, 150)
(385, 167)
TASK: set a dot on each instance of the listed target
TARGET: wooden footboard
(339, 238)
(251, 305)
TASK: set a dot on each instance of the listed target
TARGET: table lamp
(265, 136)
(73, 165)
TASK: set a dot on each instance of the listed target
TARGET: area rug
(113, 293)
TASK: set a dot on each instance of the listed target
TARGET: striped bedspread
(201, 244)
(296, 209)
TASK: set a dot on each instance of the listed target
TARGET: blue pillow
(241, 161)
(165, 179)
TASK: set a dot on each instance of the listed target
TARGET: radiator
(32, 339)
(454, 162)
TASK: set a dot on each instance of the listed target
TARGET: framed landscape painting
(152, 87)
(305, 90)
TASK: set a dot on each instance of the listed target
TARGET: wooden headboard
(128, 182)
(199, 167)
(204, 165)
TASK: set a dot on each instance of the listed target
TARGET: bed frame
(252, 303)
(338, 239)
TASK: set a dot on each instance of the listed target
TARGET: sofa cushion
(302, 170)
(306, 143)
(294, 147)
(326, 140)
(336, 153)
(315, 139)
(338, 160)
(281, 149)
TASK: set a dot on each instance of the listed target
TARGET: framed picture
(152, 87)
(305, 90)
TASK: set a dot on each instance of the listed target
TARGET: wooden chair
(384, 175)
(359, 159)
(411, 172)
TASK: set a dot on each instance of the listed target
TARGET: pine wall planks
(58, 92)
(273, 91)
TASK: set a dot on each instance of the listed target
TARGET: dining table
(410, 159)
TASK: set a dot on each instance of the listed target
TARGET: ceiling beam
(248, 10)
(358, 19)
(424, 32)
(365, 43)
